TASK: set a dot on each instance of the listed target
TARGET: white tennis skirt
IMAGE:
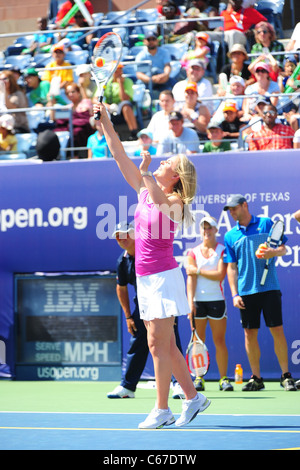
(162, 295)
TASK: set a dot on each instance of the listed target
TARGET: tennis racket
(105, 60)
(273, 241)
(197, 356)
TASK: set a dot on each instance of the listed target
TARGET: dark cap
(234, 200)
(48, 145)
(151, 34)
(214, 125)
(123, 227)
(175, 116)
(30, 71)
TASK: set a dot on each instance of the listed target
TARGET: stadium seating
(272, 10)
(13, 156)
(20, 61)
(27, 143)
(177, 50)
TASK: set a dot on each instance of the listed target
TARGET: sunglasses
(264, 31)
(261, 71)
(269, 112)
(151, 39)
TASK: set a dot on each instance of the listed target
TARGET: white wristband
(146, 173)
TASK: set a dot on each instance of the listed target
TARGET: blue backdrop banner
(58, 217)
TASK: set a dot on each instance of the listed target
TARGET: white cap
(237, 79)
(7, 121)
(83, 68)
(123, 227)
(209, 220)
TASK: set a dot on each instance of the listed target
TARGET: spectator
(179, 139)
(96, 143)
(168, 11)
(8, 141)
(145, 143)
(236, 88)
(288, 68)
(255, 122)
(202, 5)
(238, 22)
(159, 123)
(272, 136)
(66, 7)
(216, 142)
(81, 114)
(263, 86)
(292, 116)
(73, 33)
(237, 67)
(88, 87)
(41, 42)
(38, 90)
(296, 142)
(195, 73)
(266, 43)
(13, 97)
(196, 115)
(200, 51)
(294, 42)
(66, 75)
(118, 98)
(232, 124)
(244, 274)
(160, 68)
(270, 60)
(48, 146)
(161, 3)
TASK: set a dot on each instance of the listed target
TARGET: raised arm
(128, 169)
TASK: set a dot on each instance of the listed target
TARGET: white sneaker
(121, 392)
(158, 419)
(190, 409)
(177, 391)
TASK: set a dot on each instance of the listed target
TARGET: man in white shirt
(294, 42)
(195, 73)
(159, 123)
(179, 139)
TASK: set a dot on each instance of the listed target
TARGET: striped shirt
(279, 137)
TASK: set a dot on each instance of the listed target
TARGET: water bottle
(238, 374)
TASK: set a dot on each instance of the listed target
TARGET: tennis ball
(260, 250)
(99, 62)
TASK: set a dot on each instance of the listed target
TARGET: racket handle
(97, 115)
(263, 278)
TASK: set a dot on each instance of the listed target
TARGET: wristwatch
(146, 173)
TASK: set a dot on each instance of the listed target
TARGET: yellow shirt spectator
(66, 75)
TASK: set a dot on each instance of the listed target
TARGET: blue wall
(58, 217)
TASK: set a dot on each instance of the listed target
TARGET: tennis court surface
(78, 416)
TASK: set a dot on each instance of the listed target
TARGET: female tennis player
(160, 284)
(205, 290)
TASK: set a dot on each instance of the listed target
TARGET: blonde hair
(186, 186)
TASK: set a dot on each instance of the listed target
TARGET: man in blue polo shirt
(244, 275)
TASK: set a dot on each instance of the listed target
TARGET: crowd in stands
(252, 104)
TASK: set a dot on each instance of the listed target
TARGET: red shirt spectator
(272, 136)
(66, 7)
(240, 19)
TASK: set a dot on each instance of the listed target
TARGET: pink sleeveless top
(154, 235)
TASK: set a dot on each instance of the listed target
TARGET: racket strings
(109, 49)
(198, 359)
